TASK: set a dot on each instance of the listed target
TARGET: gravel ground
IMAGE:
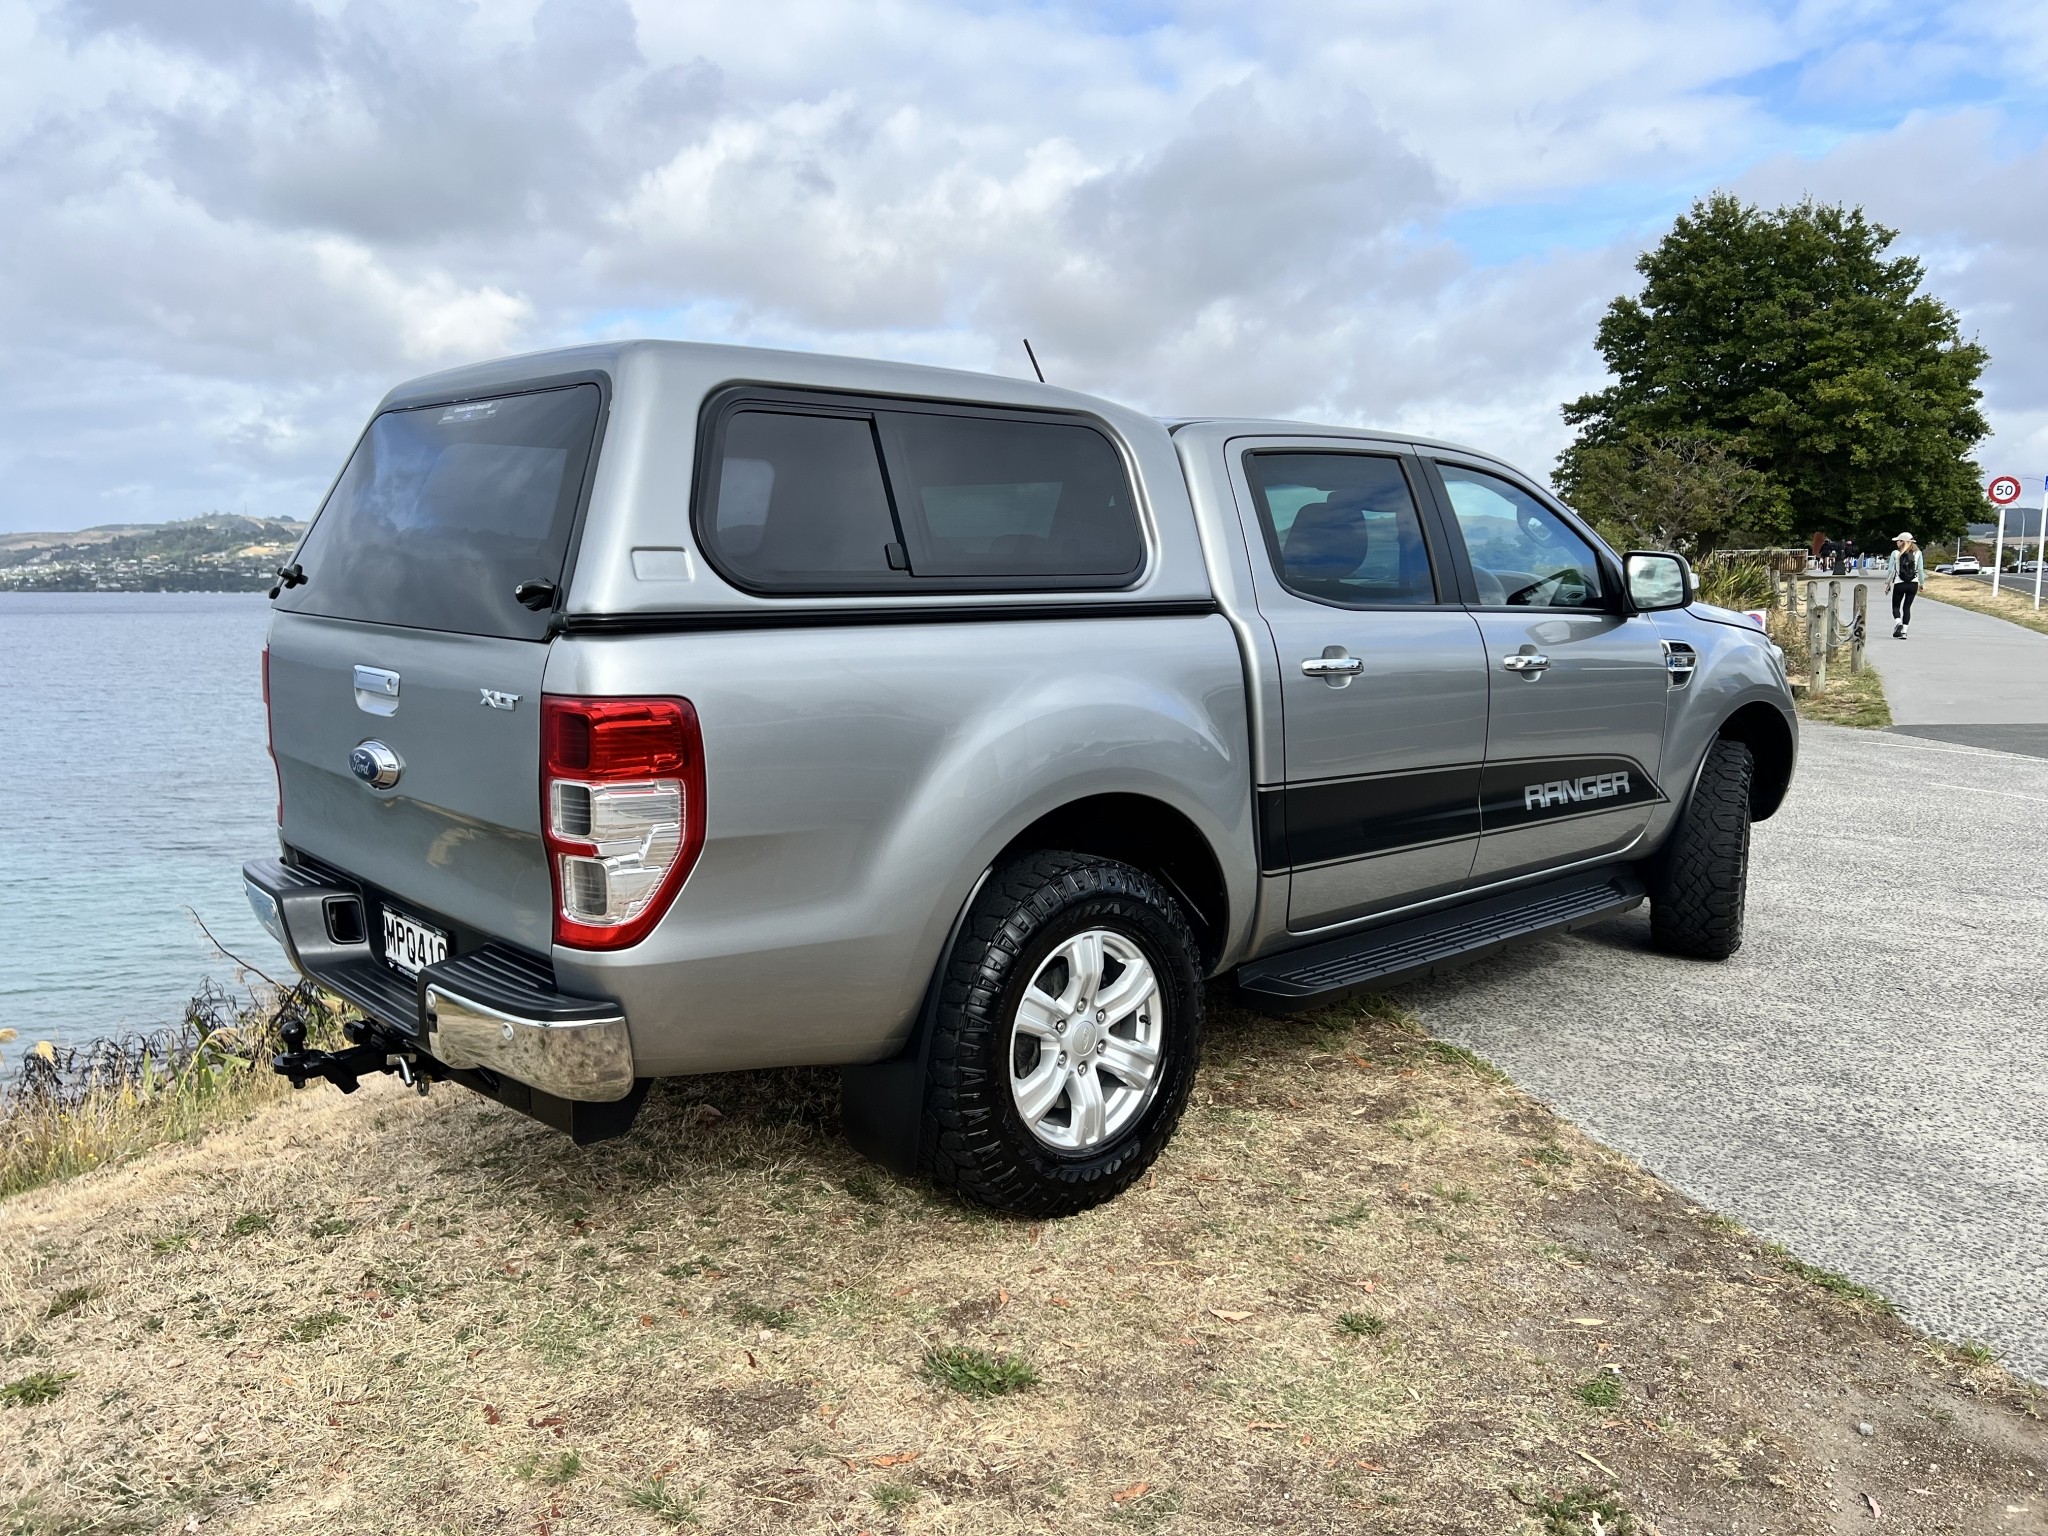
(1866, 1080)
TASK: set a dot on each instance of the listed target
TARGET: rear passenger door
(1576, 686)
(1383, 680)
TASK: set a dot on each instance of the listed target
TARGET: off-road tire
(1696, 899)
(975, 1144)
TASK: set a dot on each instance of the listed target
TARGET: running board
(1300, 979)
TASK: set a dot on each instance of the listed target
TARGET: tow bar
(373, 1051)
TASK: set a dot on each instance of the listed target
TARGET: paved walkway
(1867, 1079)
(1963, 676)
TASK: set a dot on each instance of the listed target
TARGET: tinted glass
(799, 504)
(1523, 554)
(444, 510)
(1003, 498)
(1342, 528)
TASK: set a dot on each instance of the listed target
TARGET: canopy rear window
(444, 510)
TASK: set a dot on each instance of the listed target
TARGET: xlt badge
(496, 700)
(1595, 786)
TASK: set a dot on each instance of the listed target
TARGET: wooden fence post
(1816, 642)
(1834, 616)
(1857, 630)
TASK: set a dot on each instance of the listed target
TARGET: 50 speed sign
(2003, 491)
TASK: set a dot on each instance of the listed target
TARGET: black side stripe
(920, 613)
(1332, 820)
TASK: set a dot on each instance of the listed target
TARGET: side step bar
(1300, 979)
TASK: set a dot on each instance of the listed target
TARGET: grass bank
(1371, 1286)
(2007, 604)
(63, 1112)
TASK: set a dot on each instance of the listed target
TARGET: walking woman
(1907, 569)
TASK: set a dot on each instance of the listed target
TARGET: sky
(227, 226)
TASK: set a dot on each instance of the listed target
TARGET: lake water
(138, 784)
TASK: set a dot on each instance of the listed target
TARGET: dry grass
(63, 1113)
(1365, 1289)
(2015, 599)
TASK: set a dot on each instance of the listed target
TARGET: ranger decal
(1595, 786)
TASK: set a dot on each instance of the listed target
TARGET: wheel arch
(1762, 728)
(1155, 837)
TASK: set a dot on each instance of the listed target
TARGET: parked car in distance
(1966, 566)
(653, 708)
(1943, 570)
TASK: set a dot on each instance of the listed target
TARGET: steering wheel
(1567, 589)
(1491, 593)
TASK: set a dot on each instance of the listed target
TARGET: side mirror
(1657, 581)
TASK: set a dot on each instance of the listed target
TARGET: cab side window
(1342, 528)
(1523, 554)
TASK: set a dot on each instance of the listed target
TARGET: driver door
(1576, 688)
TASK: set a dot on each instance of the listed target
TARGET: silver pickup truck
(652, 708)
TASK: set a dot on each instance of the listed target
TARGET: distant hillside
(220, 552)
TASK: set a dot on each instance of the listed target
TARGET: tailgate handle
(376, 691)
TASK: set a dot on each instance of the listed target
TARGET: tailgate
(457, 837)
(411, 634)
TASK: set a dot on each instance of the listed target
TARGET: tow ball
(372, 1050)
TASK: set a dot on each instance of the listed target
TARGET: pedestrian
(1906, 569)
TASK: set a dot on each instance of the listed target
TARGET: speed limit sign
(2003, 491)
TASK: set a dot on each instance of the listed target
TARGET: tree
(1792, 339)
(1687, 492)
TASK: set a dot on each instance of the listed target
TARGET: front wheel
(1069, 1026)
(1697, 898)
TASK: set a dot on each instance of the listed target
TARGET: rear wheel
(1697, 897)
(1070, 1022)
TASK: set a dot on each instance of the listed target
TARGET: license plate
(410, 944)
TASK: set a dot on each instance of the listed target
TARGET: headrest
(1328, 540)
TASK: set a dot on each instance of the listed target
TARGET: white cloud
(234, 222)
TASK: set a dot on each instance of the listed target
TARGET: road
(1866, 1080)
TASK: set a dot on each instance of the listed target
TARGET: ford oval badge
(375, 764)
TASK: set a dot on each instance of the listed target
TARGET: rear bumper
(494, 1011)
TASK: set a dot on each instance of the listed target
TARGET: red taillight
(622, 813)
(270, 735)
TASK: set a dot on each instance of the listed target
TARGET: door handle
(1332, 666)
(1528, 664)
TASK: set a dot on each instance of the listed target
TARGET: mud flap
(881, 1104)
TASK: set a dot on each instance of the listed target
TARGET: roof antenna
(1034, 360)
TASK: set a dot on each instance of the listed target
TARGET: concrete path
(1963, 676)
(1866, 1081)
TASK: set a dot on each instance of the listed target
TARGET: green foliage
(555, 1472)
(1684, 491)
(891, 1498)
(976, 1372)
(752, 1314)
(1828, 1280)
(69, 1301)
(1733, 583)
(1790, 341)
(665, 1504)
(36, 1390)
(1585, 1512)
(307, 1329)
(1602, 1391)
(1364, 1325)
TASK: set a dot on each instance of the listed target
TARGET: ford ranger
(654, 708)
